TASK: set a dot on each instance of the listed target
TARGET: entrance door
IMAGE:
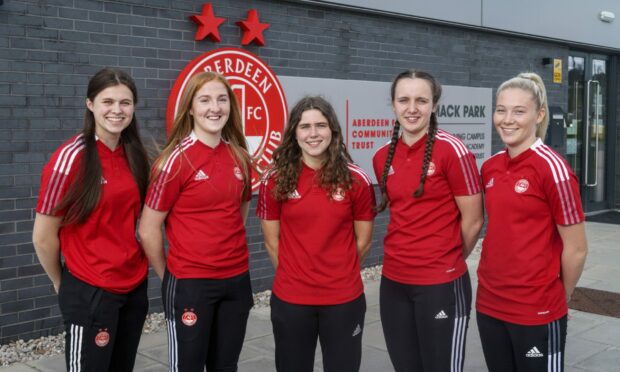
(587, 126)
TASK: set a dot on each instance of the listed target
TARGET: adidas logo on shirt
(489, 184)
(201, 176)
(357, 330)
(294, 195)
(534, 353)
(441, 315)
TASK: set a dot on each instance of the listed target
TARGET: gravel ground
(24, 351)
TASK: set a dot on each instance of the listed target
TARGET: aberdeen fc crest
(260, 96)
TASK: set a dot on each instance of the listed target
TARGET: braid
(428, 151)
(386, 168)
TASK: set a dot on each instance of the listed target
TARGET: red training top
(317, 255)
(519, 272)
(201, 188)
(423, 243)
(103, 251)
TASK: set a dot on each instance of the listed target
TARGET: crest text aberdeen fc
(261, 99)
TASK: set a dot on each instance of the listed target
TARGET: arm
(152, 238)
(573, 255)
(472, 219)
(271, 234)
(245, 208)
(363, 237)
(47, 245)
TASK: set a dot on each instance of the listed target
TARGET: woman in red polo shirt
(316, 211)
(432, 185)
(200, 188)
(535, 246)
(91, 194)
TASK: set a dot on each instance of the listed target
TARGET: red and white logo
(522, 185)
(258, 91)
(338, 195)
(238, 173)
(189, 318)
(102, 338)
(431, 169)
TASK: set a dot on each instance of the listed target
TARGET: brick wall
(49, 49)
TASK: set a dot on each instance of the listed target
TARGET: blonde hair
(533, 83)
(232, 132)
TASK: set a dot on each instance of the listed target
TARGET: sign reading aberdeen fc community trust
(363, 107)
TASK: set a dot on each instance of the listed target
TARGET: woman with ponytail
(535, 245)
(200, 188)
(431, 183)
(92, 190)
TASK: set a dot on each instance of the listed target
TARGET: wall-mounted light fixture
(604, 16)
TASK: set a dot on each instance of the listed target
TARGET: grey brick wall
(49, 49)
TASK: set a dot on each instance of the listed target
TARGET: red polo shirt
(519, 271)
(318, 261)
(103, 251)
(423, 243)
(201, 188)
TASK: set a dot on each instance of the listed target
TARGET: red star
(252, 29)
(207, 24)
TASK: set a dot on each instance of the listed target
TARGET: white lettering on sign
(366, 117)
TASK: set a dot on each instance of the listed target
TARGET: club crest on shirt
(338, 195)
(294, 195)
(201, 176)
(102, 338)
(521, 186)
(431, 169)
(238, 173)
(189, 317)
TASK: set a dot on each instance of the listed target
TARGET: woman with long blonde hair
(200, 189)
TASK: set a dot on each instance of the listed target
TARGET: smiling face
(113, 110)
(413, 105)
(515, 118)
(313, 136)
(210, 111)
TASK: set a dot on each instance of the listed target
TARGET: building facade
(49, 49)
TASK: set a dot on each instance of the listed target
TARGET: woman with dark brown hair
(316, 211)
(200, 189)
(92, 191)
(432, 185)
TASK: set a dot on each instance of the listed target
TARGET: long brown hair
(232, 132)
(84, 193)
(287, 157)
(432, 131)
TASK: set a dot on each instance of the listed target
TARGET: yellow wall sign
(557, 70)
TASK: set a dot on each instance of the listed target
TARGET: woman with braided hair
(535, 246)
(433, 188)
